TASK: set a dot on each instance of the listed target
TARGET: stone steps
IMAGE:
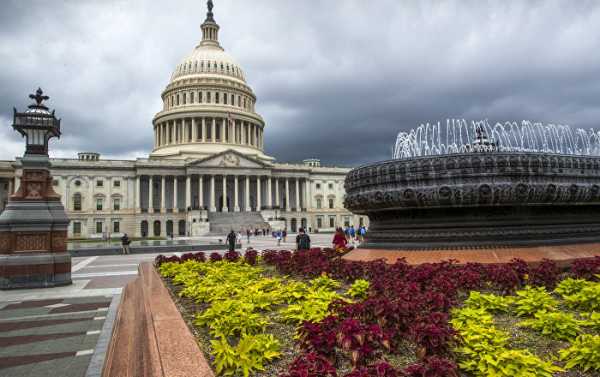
(223, 222)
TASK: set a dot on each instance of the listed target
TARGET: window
(116, 227)
(199, 97)
(99, 183)
(319, 221)
(177, 103)
(184, 95)
(99, 227)
(239, 101)
(207, 97)
(319, 204)
(76, 228)
(318, 186)
(346, 221)
(331, 186)
(244, 102)
(116, 204)
(77, 202)
(78, 183)
(232, 100)
(117, 183)
(330, 203)
(225, 98)
(332, 221)
(99, 203)
(191, 97)
(217, 97)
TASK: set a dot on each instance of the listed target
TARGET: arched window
(199, 97)
(177, 102)
(169, 227)
(191, 97)
(225, 98)
(144, 228)
(77, 202)
(216, 97)
(181, 227)
(207, 97)
(331, 201)
(232, 100)
(184, 97)
(156, 228)
(239, 101)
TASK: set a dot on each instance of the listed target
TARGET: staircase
(223, 222)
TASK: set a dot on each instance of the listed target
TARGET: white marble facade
(208, 157)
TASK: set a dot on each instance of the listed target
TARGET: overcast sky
(335, 80)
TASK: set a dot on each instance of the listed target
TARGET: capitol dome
(208, 108)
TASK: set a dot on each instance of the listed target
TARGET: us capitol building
(207, 173)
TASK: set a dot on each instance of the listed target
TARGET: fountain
(480, 185)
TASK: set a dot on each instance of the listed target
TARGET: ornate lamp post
(33, 227)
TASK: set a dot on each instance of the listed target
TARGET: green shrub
(250, 354)
(466, 315)
(588, 298)
(511, 363)
(583, 353)
(570, 286)
(359, 289)
(591, 320)
(557, 325)
(532, 300)
(489, 302)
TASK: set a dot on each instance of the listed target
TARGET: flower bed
(314, 314)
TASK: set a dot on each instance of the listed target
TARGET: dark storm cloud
(334, 79)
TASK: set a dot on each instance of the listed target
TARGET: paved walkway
(64, 331)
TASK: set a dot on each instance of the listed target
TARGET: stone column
(287, 194)
(258, 194)
(212, 194)
(305, 194)
(201, 192)
(138, 188)
(236, 205)
(277, 200)
(188, 192)
(175, 201)
(163, 203)
(172, 132)
(297, 194)
(247, 194)
(269, 193)
(194, 130)
(203, 129)
(225, 208)
(151, 194)
(214, 130)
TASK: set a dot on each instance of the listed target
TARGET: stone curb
(99, 356)
(150, 338)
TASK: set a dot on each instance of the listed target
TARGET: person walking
(284, 235)
(231, 237)
(248, 235)
(278, 235)
(302, 240)
(339, 241)
(125, 241)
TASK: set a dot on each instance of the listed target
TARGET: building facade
(207, 172)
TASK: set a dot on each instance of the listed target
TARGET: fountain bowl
(484, 199)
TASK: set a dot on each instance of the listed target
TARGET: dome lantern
(210, 29)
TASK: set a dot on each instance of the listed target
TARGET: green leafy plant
(570, 286)
(467, 316)
(489, 302)
(591, 320)
(588, 298)
(557, 325)
(583, 353)
(325, 282)
(531, 300)
(314, 308)
(250, 354)
(511, 363)
(359, 289)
